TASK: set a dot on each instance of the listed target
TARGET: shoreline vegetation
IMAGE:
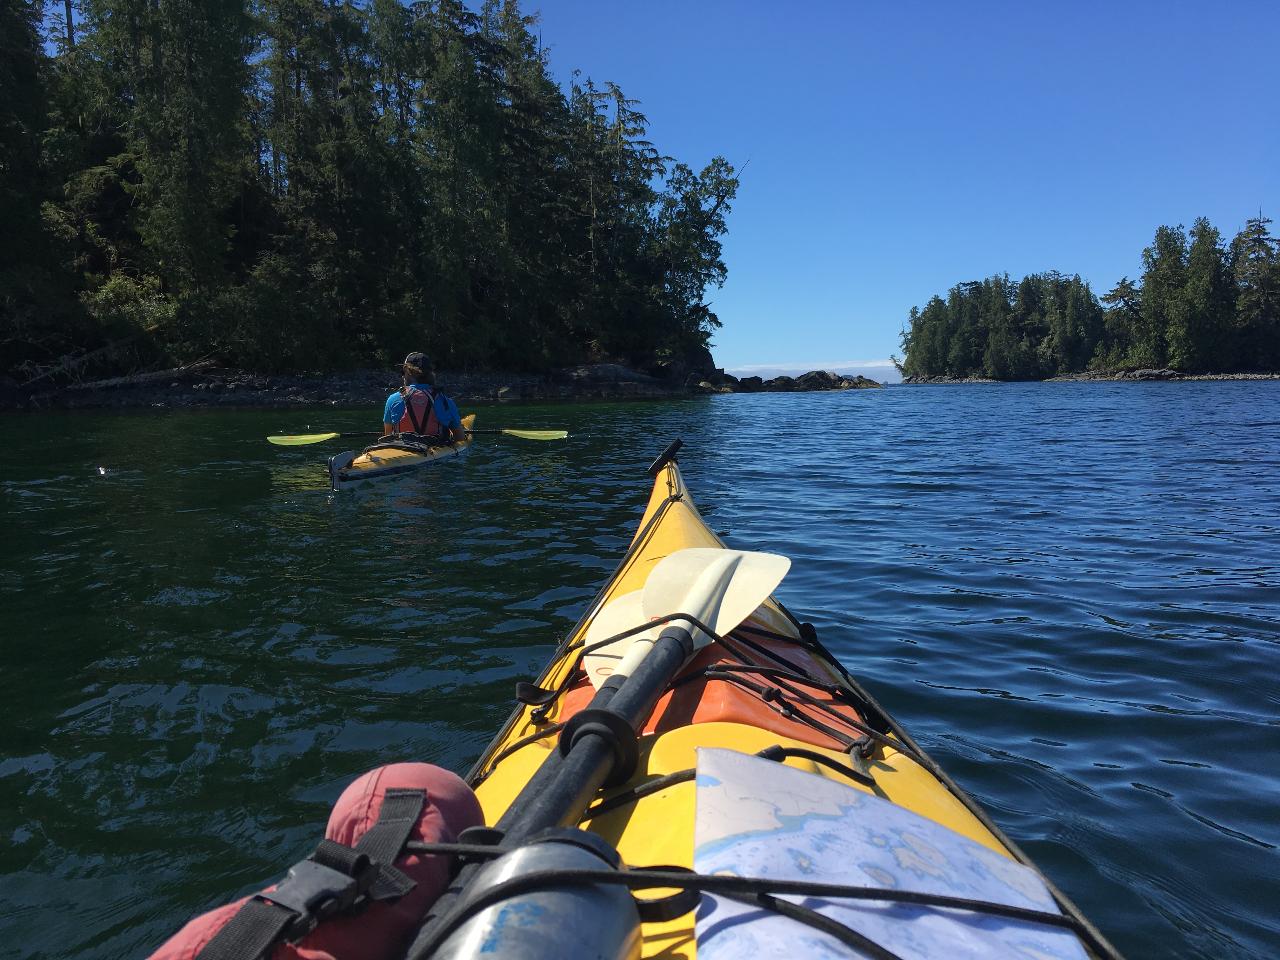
(1201, 309)
(296, 185)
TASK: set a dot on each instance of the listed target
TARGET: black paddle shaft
(590, 754)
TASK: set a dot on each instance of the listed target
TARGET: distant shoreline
(1119, 376)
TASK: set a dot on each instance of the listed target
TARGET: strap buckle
(313, 891)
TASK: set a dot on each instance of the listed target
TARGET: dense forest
(1200, 306)
(311, 184)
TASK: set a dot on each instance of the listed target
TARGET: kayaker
(419, 408)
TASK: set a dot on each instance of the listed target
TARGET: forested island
(1200, 306)
(309, 185)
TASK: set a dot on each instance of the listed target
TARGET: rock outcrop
(813, 380)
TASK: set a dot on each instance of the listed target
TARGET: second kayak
(391, 457)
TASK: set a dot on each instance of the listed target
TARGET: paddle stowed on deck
(705, 588)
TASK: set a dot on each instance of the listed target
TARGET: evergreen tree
(1075, 324)
(176, 72)
(1121, 324)
(28, 285)
(927, 344)
(686, 256)
(1163, 277)
(1029, 311)
(1200, 323)
(965, 334)
(1256, 265)
(1002, 354)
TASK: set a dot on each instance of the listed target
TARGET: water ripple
(1068, 593)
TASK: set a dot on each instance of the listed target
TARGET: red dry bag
(361, 893)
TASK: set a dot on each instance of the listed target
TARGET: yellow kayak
(391, 457)
(692, 775)
(764, 703)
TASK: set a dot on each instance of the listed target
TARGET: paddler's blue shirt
(446, 409)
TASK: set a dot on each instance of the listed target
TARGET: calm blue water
(1069, 593)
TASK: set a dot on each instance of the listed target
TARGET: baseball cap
(419, 360)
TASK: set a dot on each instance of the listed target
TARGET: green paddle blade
(537, 434)
(301, 439)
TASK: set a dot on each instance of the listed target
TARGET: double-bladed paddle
(718, 587)
(302, 439)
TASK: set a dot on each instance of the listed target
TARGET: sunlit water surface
(1069, 593)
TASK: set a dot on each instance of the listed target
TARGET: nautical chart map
(759, 818)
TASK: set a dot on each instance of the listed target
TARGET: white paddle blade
(721, 588)
(617, 616)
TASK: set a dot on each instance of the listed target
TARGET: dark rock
(605, 373)
(672, 371)
(859, 383)
(716, 377)
(700, 357)
(689, 368)
(817, 380)
(813, 380)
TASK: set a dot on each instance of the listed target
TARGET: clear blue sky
(898, 148)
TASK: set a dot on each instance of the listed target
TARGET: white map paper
(758, 818)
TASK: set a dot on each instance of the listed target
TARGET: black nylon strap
(340, 857)
(418, 425)
(255, 929)
(383, 842)
(260, 924)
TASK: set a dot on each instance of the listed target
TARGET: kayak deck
(768, 686)
(391, 458)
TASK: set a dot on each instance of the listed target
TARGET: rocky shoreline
(1157, 374)
(204, 385)
(918, 381)
(1106, 376)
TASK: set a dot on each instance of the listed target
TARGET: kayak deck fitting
(391, 457)
(767, 689)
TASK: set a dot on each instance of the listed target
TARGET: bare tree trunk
(71, 27)
(137, 379)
